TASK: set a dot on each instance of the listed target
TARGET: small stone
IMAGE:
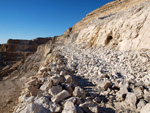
(33, 90)
(89, 107)
(93, 108)
(141, 104)
(147, 97)
(79, 92)
(34, 108)
(131, 100)
(60, 96)
(43, 101)
(63, 72)
(69, 107)
(55, 90)
(138, 91)
(22, 98)
(121, 94)
(54, 107)
(43, 69)
(46, 86)
(44, 74)
(56, 79)
(68, 87)
(78, 101)
(31, 83)
(68, 78)
(105, 84)
(75, 100)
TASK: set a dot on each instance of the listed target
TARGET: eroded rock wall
(126, 30)
(16, 50)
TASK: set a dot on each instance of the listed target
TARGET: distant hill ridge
(16, 50)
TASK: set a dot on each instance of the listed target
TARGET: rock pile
(53, 90)
(122, 77)
(120, 80)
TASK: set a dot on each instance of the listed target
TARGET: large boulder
(55, 90)
(33, 108)
(56, 79)
(131, 100)
(89, 107)
(43, 101)
(60, 96)
(145, 109)
(69, 107)
(79, 92)
(47, 85)
(54, 107)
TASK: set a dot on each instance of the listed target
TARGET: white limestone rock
(42, 69)
(46, 86)
(55, 90)
(131, 100)
(69, 107)
(120, 95)
(56, 79)
(33, 108)
(146, 108)
(54, 107)
(141, 104)
(61, 96)
(79, 92)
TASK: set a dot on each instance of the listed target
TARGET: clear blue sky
(28, 19)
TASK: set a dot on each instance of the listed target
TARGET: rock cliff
(126, 30)
(15, 51)
(100, 65)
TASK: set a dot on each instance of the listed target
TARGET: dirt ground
(9, 92)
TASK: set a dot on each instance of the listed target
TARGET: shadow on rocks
(105, 110)
(92, 92)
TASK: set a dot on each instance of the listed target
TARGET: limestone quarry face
(126, 30)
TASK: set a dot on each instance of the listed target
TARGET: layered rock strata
(15, 51)
(126, 30)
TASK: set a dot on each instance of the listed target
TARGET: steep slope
(109, 8)
(126, 30)
(10, 86)
(16, 51)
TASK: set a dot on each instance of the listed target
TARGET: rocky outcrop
(15, 51)
(109, 8)
(126, 30)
